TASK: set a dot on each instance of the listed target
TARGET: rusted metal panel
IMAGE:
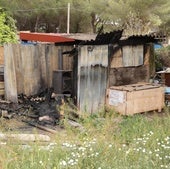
(92, 77)
(117, 59)
(128, 56)
(44, 37)
(120, 75)
(133, 55)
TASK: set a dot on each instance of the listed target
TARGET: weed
(107, 142)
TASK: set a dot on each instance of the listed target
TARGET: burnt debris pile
(44, 110)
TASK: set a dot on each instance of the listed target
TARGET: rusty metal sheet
(92, 77)
(44, 37)
(133, 55)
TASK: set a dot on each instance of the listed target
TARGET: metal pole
(68, 19)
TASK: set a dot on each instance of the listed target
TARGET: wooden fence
(29, 68)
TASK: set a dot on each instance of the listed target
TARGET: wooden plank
(18, 59)
(2, 85)
(67, 59)
(2, 92)
(117, 60)
(145, 93)
(25, 137)
(42, 55)
(145, 87)
(10, 74)
(31, 71)
(145, 100)
(51, 57)
(41, 127)
(135, 87)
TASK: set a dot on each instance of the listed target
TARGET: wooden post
(10, 74)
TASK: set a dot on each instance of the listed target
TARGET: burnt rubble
(42, 110)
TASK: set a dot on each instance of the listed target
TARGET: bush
(162, 57)
(8, 29)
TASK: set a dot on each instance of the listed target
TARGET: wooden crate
(136, 98)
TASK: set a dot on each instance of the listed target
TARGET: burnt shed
(111, 60)
(83, 68)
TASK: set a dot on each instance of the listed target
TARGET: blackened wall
(119, 75)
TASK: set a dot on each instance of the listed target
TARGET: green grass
(108, 141)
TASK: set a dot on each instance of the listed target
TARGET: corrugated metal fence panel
(133, 55)
(31, 67)
(92, 77)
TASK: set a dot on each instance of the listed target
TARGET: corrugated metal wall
(29, 68)
(92, 77)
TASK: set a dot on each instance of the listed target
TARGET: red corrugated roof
(44, 37)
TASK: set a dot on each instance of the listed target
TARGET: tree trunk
(93, 20)
(36, 24)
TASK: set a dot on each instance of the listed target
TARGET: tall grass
(107, 141)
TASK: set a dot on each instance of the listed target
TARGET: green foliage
(162, 57)
(135, 16)
(7, 28)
